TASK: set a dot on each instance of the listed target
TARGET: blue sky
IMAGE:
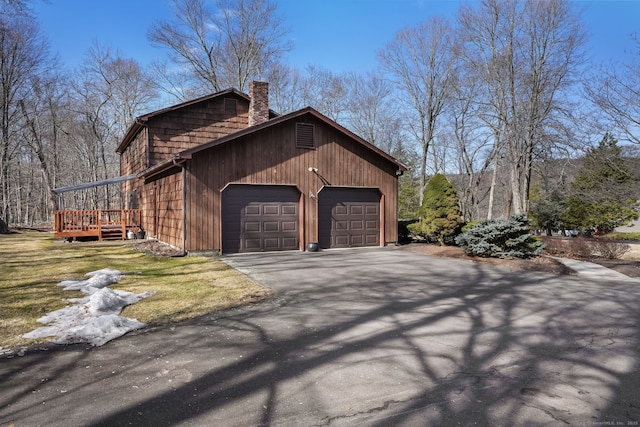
(340, 35)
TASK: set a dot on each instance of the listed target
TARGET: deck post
(99, 215)
(123, 221)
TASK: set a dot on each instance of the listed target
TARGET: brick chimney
(259, 104)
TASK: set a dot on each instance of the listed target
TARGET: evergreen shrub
(440, 216)
(510, 238)
(405, 230)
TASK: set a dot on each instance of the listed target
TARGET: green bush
(440, 217)
(510, 238)
(406, 228)
(469, 225)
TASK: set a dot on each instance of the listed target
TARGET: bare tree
(121, 82)
(421, 62)
(316, 86)
(225, 47)
(474, 147)
(23, 52)
(43, 108)
(615, 90)
(325, 91)
(370, 107)
(285, 86)
(526, 52)
(107, 93)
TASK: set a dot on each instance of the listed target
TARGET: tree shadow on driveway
(369, 337)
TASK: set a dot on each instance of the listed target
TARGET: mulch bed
(627, 267)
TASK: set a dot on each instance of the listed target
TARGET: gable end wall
(270, 156)
(188, 127)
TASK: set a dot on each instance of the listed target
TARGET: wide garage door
(348, 217)
(259, 218)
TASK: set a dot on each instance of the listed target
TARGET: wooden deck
(109, 224)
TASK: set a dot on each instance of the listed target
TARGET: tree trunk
(37, 148)
(3, 227)
(492, 190)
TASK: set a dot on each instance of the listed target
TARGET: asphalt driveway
(371, 337)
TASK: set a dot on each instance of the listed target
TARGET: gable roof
(140, 121)
(187, 154)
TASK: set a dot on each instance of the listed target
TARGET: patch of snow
(97, 280)
(95, 318)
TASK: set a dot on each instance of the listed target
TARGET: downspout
(399, 173)
(184, 205)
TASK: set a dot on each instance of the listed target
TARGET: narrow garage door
(348, 217)
(259, 218)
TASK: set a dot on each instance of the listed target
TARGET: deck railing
(100, 223)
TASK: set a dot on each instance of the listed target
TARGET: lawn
(31, 265)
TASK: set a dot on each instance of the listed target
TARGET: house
(225, 173)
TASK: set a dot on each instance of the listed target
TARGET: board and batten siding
(270, 156)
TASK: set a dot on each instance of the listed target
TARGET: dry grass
(31, 264)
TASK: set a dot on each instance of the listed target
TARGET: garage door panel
(271, 244)
(372, 240)
(260, 218)
(251, 226)
(341, 210)
(356, 225)
(251, 244)
(289, 225)
(252, 210)
(340, 225)
(341, 241)
(356, 209)
(273, 226)
(348, 217)
(289, 210)
(290, 242)
(271, 210)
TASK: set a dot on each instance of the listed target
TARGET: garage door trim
(261, 220)
(350, 219)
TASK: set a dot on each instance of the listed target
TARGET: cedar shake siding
(197, 124)
(163, 213)
(132, 161)
(135, 158)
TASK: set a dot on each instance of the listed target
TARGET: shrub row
(619, 235)
(585, 248)
(512, 238)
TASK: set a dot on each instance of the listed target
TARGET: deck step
(113, 235)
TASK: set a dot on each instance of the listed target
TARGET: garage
(257, 218)
(348, 217)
